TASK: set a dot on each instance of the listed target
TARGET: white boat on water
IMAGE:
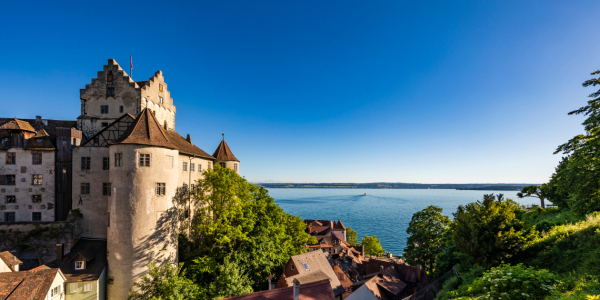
(365, 194)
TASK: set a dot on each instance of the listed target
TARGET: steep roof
(17, 124)
(320, 290)
(145, 130)
(32, 285)
(186, 147)
(50, 127)
(94, 252)
(10, 260)
(223, 152)
(339, 225)
(317, 263)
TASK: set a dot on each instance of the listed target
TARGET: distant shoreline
(384, 185)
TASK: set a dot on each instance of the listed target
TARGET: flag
(131, 61)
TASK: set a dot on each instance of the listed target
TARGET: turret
(225, 157)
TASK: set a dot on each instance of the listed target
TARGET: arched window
(109, 76)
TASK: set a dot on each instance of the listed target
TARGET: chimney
(381, 271)
(59, 252)
(270, 278)
(189, 138)
(38, 119)
(296, 289)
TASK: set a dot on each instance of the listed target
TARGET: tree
(557, 191)
(351, 237)
(488, 231)
(427, 233)
(580, 180)
(239, 235)
(372, 245)
(166, 282)
(537, 191)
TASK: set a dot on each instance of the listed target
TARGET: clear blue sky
(329, 91)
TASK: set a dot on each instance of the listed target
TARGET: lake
(385, 213)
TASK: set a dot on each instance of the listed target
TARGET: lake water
(383, 212)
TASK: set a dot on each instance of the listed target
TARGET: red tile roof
(223, 153)
(27, 285)
(319, 290)
(17, 124)
(145, 130)
(10, 260)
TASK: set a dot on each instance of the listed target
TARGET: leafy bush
(508, 282)
(577, 287)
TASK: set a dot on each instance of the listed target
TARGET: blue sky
(329, 91)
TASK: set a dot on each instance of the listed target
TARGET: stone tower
(113, 93)
(225, 157)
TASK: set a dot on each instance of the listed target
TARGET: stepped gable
(120, 72)
(145, 130)
(223, 153)
(16, 124)
(186, 147)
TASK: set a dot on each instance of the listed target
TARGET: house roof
(10, 260)
(16, 124)
(50, 127)
(342, 276)
(32, 285)
(223, 152)
(94, 252)
(339, 225)
(186, 147)
(318, 290)
(145, 130)
(317, 263)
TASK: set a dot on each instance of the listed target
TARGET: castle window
(74, 287)
(36, 216)
(36, 179)
(105, 163)
(222, 164)
(235, 168)
(144, 160)
(79, 265)
(86, 163)
(7, 179)
(118, 158)
(104, 124)
(11, 199)
(161, 188)
(96, 141)
(121, 109)
(85, 188)
(36, 198)
(160, 99)
(104, 109)
(106, 186)
(54, 291)
(108, 219)
(210, 165)
(160, 88)
(110, 91)
(109, 76)
(36, 158)
(292, 267)
(38, 140)
(199, 168)
(9, 217)
(184, 188)
(185, 166)
(192, 167)
(87, 287)
(11, 158)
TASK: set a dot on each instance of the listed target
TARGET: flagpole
(131, 66)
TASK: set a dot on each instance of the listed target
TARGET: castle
(122, 164)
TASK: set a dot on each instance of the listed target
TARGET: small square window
(106, 186)
(37, 179)
(104, 124)
(74, 287)
(144, 160)
(9, 217)
(36, 216)
(87, 287)
(85, 188)
(185, 166)
(79, 265)
(222, 164)
(192, 167)
(36, 158)
(110, 91)
(11, 199)
(54, 291)
(161, 188)
(38, 140)
(121, 109)
(105, 163)
(86, 163)
(104, 109)
(11, 158)
(118, 158)
(36, 198)
(7, 179)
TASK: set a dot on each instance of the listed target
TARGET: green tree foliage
(372, 245)
(427, 232)
(166, 282)
(488, 232)
(239, 235)
(580, 180)
(351, 237)
(557, 192)
(537, 191)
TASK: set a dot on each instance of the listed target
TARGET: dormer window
(292, 267)
(38, 140)
(109, 76)
(79, 265)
